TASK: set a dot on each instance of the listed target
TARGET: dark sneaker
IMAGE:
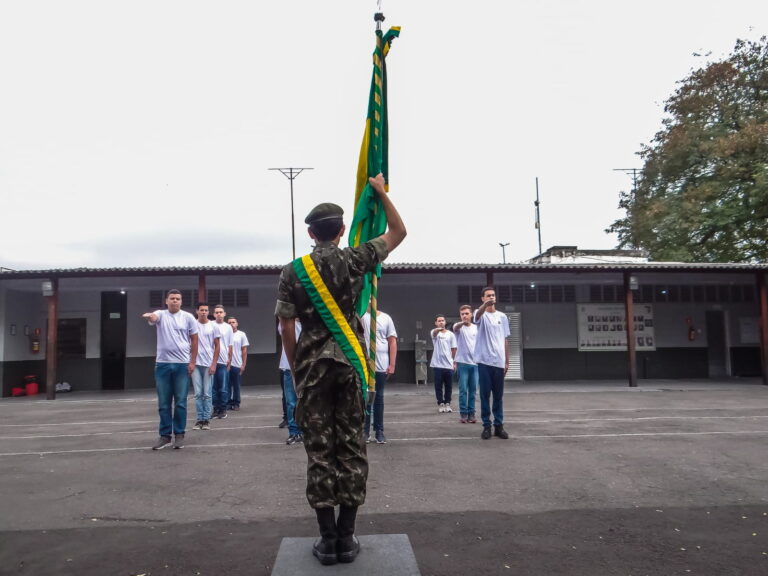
(206, 425)
(283, 424)
(162, 442)
(348, 548)
(198, 425)
(486, 435)
(325, 551)
(499, 432)
(178, 441)
(293, 439)
(380, 438)
(222, 414)
(236, 408)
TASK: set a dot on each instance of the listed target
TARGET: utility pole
(291, 174)
(503, 252)
(538, 215)
(633, 172)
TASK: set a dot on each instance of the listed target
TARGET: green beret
(324, 211)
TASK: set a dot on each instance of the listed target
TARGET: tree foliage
(702, 195)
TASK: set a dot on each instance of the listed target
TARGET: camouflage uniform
(330, 410)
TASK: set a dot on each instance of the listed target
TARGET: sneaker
(463, 420)
(500, 432)
(178, 441)
(472, 419)
(162, 442)
(206, 425)
(283, 424)
(294, 439)
(486, 435)
(448, 408)
(441, 408)
(236, 408)
(198, 425)
(367, 437)
(222, 414)
(380, 438)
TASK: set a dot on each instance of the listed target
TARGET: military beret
(324, 211)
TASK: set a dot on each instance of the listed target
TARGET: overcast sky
(140, 133)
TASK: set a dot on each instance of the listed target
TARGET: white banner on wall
(602, 327)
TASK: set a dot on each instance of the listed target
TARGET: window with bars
(517, 293)
(228, 297)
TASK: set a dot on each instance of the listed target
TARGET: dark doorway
(716, 344)
(113, 335)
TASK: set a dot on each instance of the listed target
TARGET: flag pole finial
(378, 18)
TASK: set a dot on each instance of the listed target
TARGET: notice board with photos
(602, 327)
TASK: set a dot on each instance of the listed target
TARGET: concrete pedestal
(380, 555)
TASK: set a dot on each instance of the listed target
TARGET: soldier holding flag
(329, 366)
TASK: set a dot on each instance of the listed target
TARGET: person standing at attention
(466, 335)
(386, 357)
(176, 357)
(208, 340)
(239, 360)
(491, 353)
(443, 353)
(223, 363)
(322, 289)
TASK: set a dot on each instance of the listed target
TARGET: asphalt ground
(596, 479)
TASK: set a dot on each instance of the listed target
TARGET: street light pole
(503, 252)
(291, 174)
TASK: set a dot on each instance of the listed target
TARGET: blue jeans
(378, 405)
(220, 390)
(172, 383)
(467, 387)
(290, 402)
(203, 384)
(491, 382)
(234, 386)
(443, 385)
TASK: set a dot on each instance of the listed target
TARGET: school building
(568, 311)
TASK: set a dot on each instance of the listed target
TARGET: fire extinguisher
(34, 341)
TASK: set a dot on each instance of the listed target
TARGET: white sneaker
(448, 408)
(441, 408)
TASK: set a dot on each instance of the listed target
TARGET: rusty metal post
(762, 293)
(489, 279)
(629, 312)
(202, 296)
(51, 351)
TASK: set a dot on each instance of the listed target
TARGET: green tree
(702, 195)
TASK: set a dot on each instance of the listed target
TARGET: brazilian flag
(369, 220)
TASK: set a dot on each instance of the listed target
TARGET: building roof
(394, 268)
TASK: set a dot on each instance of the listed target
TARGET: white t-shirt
(174, 332)
(283, 358)
(206, 342)
(465, 340)
(226, 341)
(492, 331)
(239, 340)
(441, 356)
(385, 329)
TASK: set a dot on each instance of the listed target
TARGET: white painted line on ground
(218, 428)
(396, 440)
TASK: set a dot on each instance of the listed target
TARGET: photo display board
(602, 327)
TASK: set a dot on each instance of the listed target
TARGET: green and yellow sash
(332, 316)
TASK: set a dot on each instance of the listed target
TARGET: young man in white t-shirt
(491, 353)
(176, 358)
(442, 363)
(239, 360)
(208, 339)
(289, 392)
(386, 357)
(466, 335)
(223, 363)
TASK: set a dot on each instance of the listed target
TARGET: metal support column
(629, 313)
(762, 294)
(51, 352)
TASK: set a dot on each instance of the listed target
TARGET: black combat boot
(347, 546)
(324, 548)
